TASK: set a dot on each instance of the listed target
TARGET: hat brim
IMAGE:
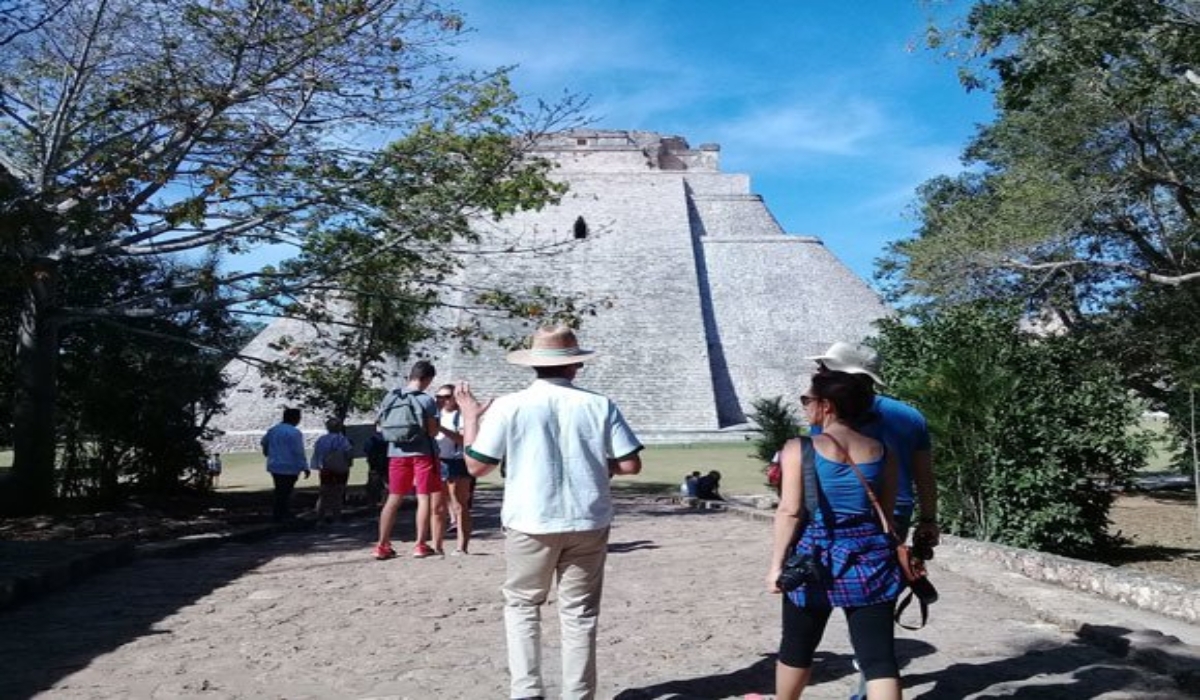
(528, 358)
(837, 365)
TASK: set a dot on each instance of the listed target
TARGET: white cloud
(911, 166)
(800, 127)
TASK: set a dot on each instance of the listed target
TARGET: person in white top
(459, 484)
(560, 445)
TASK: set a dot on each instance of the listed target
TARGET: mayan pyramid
(712, 304)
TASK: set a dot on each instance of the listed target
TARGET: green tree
(155, 130)
(1081, 200)
(1030, 431)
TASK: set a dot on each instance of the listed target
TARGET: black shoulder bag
(800, 568)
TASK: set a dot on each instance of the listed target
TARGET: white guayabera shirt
(555, 440)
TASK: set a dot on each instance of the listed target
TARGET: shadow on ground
(1044, 673)
(1017, 677)
(48, 635)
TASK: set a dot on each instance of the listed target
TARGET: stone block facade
(711, 304)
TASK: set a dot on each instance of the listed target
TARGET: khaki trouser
(577, 558)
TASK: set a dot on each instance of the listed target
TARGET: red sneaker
(383, 552)
(422, 550)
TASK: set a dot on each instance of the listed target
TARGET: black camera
(922, 548)
(799, 569)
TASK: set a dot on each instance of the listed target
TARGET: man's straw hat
(552, 347)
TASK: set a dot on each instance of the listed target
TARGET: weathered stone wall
(774, 308)
(638, 256)
(1154, 593)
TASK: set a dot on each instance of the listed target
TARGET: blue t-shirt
(903, 430)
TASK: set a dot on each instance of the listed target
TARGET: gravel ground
(310, 615)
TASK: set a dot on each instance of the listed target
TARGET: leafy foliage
(1030, 432)
(338, 131)
(1082, 199)
(135, 397)
(777, 423)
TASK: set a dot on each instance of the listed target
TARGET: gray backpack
(336, 462)
(402, 420)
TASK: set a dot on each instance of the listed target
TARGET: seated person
(708, 487)
(690, 485)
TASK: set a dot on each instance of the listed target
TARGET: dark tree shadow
(45, 638)
(759, 677)
(960, 680)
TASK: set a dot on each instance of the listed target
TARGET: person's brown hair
(557, 372)
(852, 399)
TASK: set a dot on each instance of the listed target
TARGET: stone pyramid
(712, 304)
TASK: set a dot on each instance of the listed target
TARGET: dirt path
(310, 615)
(1163, 532)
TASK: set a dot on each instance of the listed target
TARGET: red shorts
(418, 472)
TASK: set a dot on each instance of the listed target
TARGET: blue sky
(835, 109)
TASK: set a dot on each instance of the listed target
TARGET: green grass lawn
(663, 468)
(1164, 454)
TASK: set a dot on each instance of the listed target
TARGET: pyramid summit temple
(711, 305)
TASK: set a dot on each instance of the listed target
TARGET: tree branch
(1123, 267)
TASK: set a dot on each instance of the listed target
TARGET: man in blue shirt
(283, 446)
(903, 429)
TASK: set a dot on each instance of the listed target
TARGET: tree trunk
(1195, 453)
(36, 391)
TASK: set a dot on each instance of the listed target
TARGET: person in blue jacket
(283, 446)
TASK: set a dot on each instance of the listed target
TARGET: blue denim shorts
(454, 469)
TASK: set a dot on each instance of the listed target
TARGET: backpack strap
(395, 397)
(808, 473)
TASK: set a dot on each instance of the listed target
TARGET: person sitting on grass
(708, 487)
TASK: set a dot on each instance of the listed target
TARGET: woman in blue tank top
(844, 536)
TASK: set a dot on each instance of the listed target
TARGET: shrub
(1029, 431)
(777, 424)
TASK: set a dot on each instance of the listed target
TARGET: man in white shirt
(560, 445)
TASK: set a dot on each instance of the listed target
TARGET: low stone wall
(1157, 594)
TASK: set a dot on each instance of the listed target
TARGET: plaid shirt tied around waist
(858, 558)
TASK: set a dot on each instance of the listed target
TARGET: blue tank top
(842, 494)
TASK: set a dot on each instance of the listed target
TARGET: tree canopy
(1086, 185)
(1082, 199)
(179, 132)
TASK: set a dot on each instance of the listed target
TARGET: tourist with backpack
(332, 457)
(408, 421)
